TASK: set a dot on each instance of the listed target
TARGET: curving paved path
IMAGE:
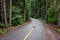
(28, 32)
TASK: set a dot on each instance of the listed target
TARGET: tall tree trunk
(2, 9)
(10, 13)
(38, 10)
(46, 16)
(41, 9)
(59, 14)
(59, 18)
(5, 13)
(25, 10)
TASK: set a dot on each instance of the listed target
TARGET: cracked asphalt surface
(37, 34)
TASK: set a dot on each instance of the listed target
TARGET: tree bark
(25, 10)
(59, 15)
(46, 16)
(59, 18)
(5, 13)
(10, 13)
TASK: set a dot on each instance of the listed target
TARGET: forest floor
(52, 28)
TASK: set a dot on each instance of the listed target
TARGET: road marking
(29, 33)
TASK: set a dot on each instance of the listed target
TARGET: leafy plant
(52, 16)
(2, 25)
(2, 31)
(18, 19)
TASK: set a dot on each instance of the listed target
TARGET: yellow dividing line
(28, 33)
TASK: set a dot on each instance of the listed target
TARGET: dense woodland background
(17, 12)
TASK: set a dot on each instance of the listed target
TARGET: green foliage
(18, 12)
(34, 8)
(2, 25)
(15, 9)
(18, 19)
(3, 31)
(38, 9)
(53, 15)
